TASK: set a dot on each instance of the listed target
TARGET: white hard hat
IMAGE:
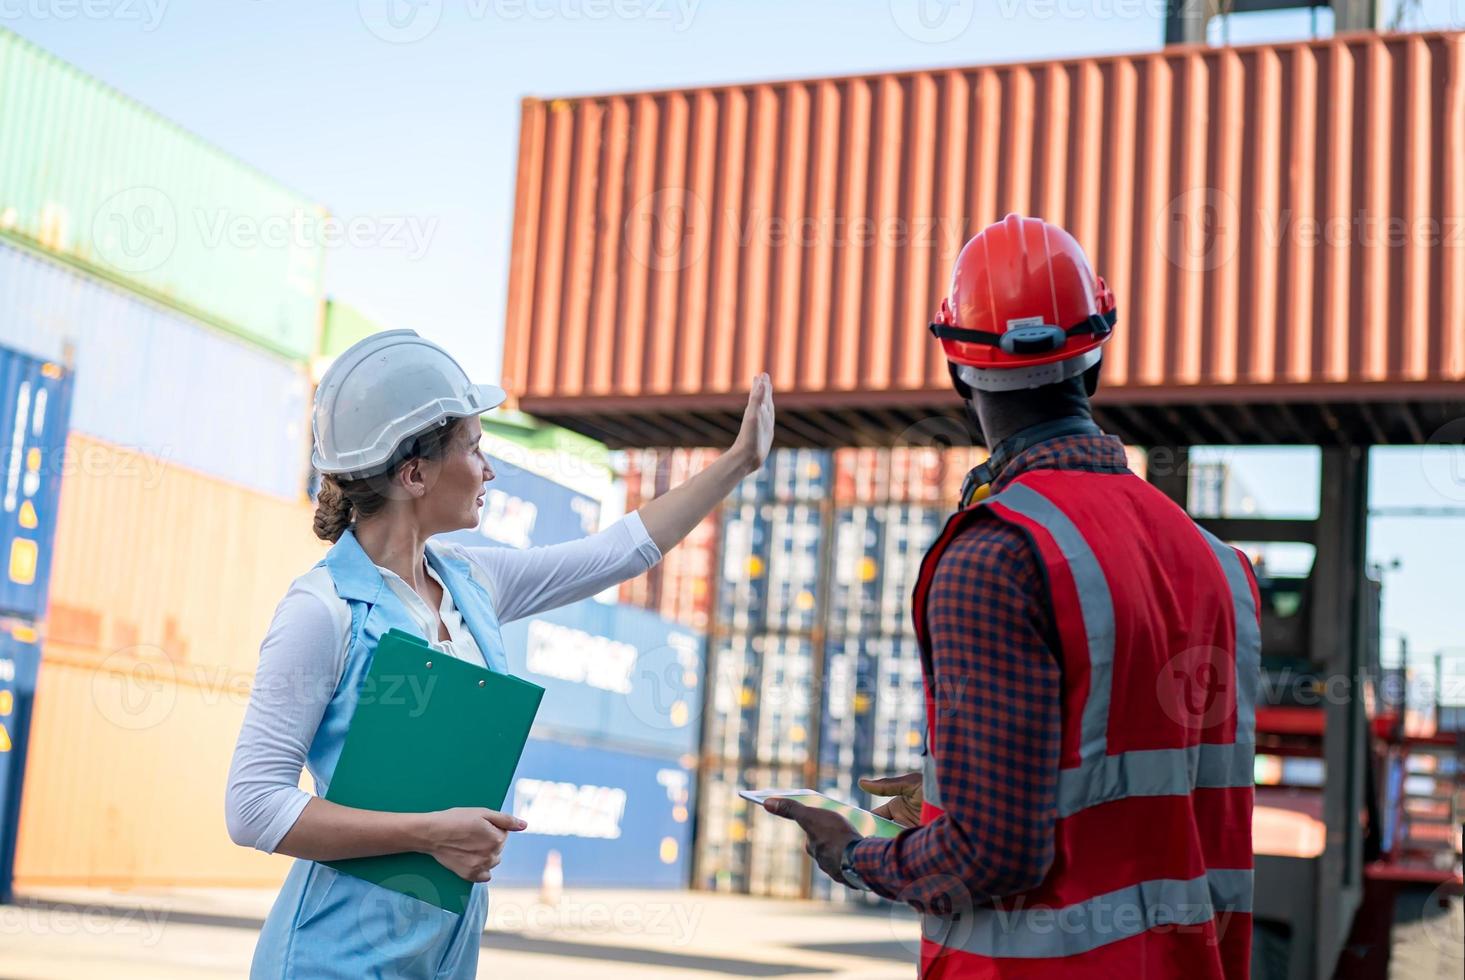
(382, 390)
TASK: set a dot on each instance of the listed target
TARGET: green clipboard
(429, 732)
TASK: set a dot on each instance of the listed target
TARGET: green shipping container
(344, 326)
(99, 180)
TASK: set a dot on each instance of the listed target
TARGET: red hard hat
(1025, 308)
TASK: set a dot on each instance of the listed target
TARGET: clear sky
(408, 110)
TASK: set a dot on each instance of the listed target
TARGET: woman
(397, 440)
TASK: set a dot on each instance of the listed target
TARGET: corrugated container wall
(615, 674)
(615, 818)
(163, 585)
(35, 402)
(89, 174)
(151, 379)
(20, 654)
(680, 585)
(155, 560)
(125, 784)
(1270, 215)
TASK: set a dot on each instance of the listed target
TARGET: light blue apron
(325, 924)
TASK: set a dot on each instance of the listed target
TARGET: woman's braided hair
(341, 503)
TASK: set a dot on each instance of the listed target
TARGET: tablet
(866, 823)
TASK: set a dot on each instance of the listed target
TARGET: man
(1090, 659)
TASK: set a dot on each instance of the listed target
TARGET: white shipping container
(785, 698)
(795, 533)
(732, 696)
(909, 532)
(151, 379)
(900, 707)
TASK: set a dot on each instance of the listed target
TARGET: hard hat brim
(1027, 376)
(480, 400)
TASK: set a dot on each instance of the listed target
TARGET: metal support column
(1337, 643)
(1168, 468)
(1186, 20)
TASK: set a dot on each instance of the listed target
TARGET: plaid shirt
(999, 699)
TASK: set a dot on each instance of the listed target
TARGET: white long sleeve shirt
(304, 654)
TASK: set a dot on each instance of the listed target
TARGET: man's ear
(1091, 378)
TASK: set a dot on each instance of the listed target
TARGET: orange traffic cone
(552, 882)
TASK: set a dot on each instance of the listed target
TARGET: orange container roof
(1283, 225)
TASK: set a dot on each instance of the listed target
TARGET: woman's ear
(411, 478)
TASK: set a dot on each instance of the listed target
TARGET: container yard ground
(59, 934)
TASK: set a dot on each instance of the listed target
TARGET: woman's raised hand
(755, 438)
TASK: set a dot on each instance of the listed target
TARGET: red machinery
(1359, 800)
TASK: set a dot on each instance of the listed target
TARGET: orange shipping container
(680, 586)
(125, 780)
(1282, 225)
(150, 554)
(163, 585)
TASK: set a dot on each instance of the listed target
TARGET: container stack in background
(763, 689)
(814, 675)
(889, 505)
(163, 275)
(35, 404)
(607, 781)
(174, 291)
(813, 678)
(680, 588)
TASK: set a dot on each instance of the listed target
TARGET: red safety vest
(1160, 649)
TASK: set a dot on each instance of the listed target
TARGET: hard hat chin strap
(1029, 338)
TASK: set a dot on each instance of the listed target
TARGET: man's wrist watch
(847, 867)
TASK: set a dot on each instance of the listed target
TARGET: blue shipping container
(742, 588)
(35, 405)
(20, 655)
(789, 476)
(525, 510)
(846, 729)
(732, 698)
(151, 379)
(618, 674)
(615, 818)
(854, 580)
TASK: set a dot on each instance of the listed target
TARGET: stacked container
(35, 401)
(103, 183)
(181, 289)
(608, 780)
(889, 505)
(763, 699)
(814, 677)
(680, 588)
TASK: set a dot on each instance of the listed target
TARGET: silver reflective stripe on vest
(1153, 772)
(1248, 636)
(1101, 777)
(1093, 599)
(1085, 926)
(1231, 889)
